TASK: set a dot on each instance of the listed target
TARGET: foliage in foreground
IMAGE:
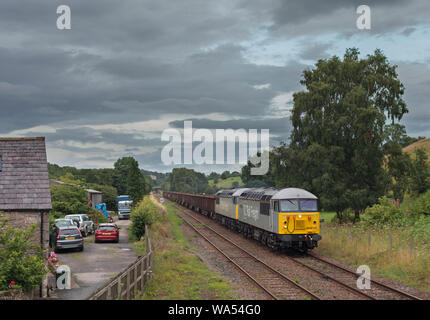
(20, 260)
(144, 213)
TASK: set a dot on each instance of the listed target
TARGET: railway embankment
(179, 272)
(393, 241)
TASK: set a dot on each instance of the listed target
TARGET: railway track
(326, 269)
(276, 284)
(348, 277)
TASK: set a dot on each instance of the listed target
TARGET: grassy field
(388, 251)
(178, 272)
(423, 144)
(227, 183)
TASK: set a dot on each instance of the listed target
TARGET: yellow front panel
(237, 211)
(299, 223)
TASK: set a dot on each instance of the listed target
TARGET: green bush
(422, 205)
(20, 260)
(144, 213)
(386, 213)
(69, 199)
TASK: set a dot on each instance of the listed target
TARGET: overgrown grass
(388, 253)
(327, 216)
(178, 272)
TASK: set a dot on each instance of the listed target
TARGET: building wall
(25, 219)
(95, 198)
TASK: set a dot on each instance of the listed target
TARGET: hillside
(226, 183)
(423, 144)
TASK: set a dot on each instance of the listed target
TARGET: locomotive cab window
(308, 205)
(288, 205)
(276, 206)
(217, 200)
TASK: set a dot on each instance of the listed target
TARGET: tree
(121, 168)
(225, 175)
(398, 164)
(128, 179)
(135, 182)
(188, 180)
(69, 199)
(420, 175)
(338, 128)
(213, 175)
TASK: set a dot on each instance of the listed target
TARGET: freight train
(279, 218)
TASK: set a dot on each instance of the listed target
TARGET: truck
(124, 203)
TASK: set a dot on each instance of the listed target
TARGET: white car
(85, 225)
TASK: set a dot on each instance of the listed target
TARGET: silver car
(85, 225)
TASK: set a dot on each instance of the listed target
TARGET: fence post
(135, 279)
(143, 272)
(128, 285)
(368, 239)
(109, 293)
(411, 246)
(119, 288)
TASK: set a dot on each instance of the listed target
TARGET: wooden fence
(132, 280)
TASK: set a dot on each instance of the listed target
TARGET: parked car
(84, 223)
(64, 222)
(66, 237)
(107, 232)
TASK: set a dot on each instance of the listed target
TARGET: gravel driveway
(96, 265)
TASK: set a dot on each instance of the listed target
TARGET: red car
(107, 232)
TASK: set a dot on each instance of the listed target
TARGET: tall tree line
(341, 147)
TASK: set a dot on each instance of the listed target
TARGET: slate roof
(24, 181)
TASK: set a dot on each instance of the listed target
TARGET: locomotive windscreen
(308, 205)
(298, 205)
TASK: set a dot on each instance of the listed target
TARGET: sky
(127, 70)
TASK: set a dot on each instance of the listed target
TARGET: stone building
(25, 198)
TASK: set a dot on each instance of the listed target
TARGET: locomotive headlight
(300, 216)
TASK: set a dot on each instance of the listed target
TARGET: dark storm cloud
(137, 60)
(277, 126)
(313, 17)
(85, 135)
(415, 77)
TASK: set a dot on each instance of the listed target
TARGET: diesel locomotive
(279, 218)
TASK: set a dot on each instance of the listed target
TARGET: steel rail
(408, 295)
(283, 276)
